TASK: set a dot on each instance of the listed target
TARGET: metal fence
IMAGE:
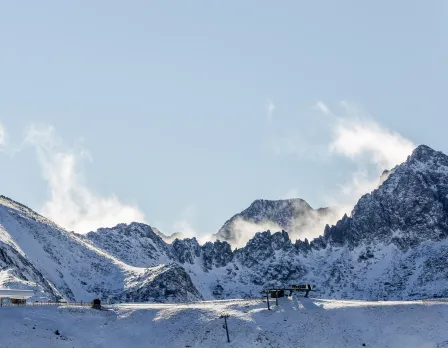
(249, 301)
(46, 303)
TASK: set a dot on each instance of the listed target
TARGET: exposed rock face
(217, 254)
(293, 215)
(411, 206)
(135, 244)
(165, 283)
(394, 245)
(36, 253)
(186, 250)
(263, 247)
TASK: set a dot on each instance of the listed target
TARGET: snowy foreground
(296, 322)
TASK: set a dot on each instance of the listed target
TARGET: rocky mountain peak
(393, 245)
(410, 207)
(263, 246)
(268, 207)
(123, 239)
(216, 254)
(293, 215)
(424, 158)
(424, 152)
(186, 250)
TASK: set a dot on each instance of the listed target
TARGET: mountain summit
(394, 245)
(293, 215)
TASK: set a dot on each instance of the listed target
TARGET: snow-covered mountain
(293, 215)
(36, 253)
(394, 245)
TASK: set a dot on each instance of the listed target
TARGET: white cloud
(354, 135)
(271, 108)
(362, 137)
(71, 203)
(309, 225)
(244, 230)
(322, 107)
(2, 136)
(183, 224)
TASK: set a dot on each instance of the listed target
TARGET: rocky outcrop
(410, 207)
(165, 283)
(293, 215)
(35, 253)
(135, 244)
(216, 254)
(186, 250)
(394, 245)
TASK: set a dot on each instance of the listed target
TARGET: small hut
(96, 303)
(17, 297)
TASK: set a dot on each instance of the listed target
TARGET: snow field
(296, 322)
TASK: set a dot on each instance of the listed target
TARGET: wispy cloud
(244, 230)
(184, 223)
(71, 203)
(349, 133)
(353, 134)
(322, 107)
(361, 139)
(2, 136)
(358, 137)
(271, 108)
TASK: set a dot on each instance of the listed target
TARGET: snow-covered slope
(38, 251)
(17, 272)
(296, 322)
(135, 244)
(394, 245)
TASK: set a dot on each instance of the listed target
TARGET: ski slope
(296, 322)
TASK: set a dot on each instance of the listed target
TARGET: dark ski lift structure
(280, 292)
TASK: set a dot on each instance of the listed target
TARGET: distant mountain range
(394, 245)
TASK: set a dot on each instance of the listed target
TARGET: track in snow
(296, 322)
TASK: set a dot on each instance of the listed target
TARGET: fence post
(267, 299)
(225, 316)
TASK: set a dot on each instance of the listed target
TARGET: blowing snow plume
(373, 148)
(357, 137)
(2, 137)
(295, 216)
(352, 134)
(71, 203)
(362, 140)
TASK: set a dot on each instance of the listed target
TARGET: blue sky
(182, 113)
